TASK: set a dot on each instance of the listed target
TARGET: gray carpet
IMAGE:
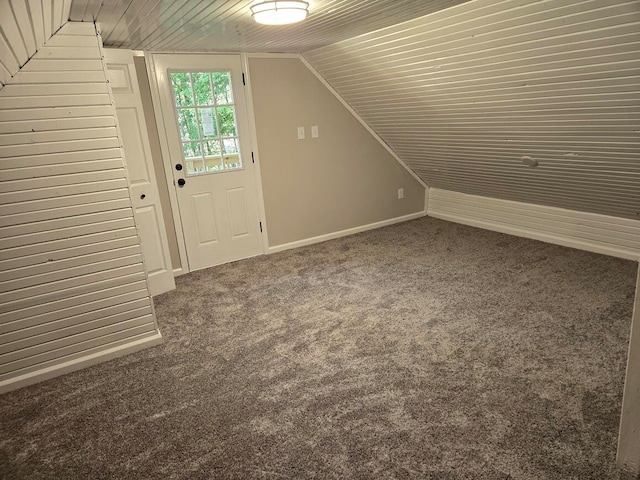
(422, 350)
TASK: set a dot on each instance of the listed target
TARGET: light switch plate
(314, 132)
(300, 133)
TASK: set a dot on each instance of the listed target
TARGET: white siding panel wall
(463, 94)
(73, 287)
(604, 234)
(25, 27)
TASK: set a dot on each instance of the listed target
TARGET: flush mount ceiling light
(279, 12)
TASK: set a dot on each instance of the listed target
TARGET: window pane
(208, 122)
(181, 88)
(195, 166)
(232, 161)
(222, 87)
(214, 164)
(212, 148)
(230, 145)
(192, 150)
(227, 121)
(202, 88)
(187, 121)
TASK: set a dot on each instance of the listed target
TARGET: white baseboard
(79, 363)
(177, 272)
(343, 233)
(615, 236)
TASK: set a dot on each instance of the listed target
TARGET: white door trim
(253, 138)
(164, 147)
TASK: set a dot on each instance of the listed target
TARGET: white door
(142, 179)
(205, 119)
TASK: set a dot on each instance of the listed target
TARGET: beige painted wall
(629, 444)
(316, 186)
(156, 154)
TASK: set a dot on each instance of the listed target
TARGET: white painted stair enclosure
(73, 287)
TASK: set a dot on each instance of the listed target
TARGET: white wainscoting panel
(73, 289)
(619, 237)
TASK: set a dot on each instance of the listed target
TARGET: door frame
(166, 158)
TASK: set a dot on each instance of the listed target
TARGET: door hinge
(260, 226)
(253, 160)
(243, 80)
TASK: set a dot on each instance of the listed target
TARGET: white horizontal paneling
(8, 103)
(60, 348)
(75, 324)
(39, 77)
(55, 113)
(20, 324)
(78, 331)
(63, 189)
(44, 214)
(109, 222)
(55, 124)
(64, 279)
(55, 136)
(56, 89)
(26, 26)
(50, 302)
(463, 94)
(588, 231)
(87, 353)
(58, 147)
(61, 169)
(49, 254)
(51, 271)
(72, 280)
(37, 65)
(50, 331)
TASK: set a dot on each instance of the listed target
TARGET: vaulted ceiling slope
(24, 28)
(227, 26)
(462, 95)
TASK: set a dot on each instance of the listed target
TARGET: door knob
(178, 166)
(181, 182)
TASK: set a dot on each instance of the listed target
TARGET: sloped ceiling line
(462, 95)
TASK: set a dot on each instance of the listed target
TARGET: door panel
(131, 132)
(144, 189)
(205, 219)
(148, 220)
(237, 204)
(205, 119)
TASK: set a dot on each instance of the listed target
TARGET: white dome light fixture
(280, 12)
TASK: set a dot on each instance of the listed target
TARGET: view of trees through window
(206, 117)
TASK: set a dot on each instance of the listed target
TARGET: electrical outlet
(400, 193)
(300, 133)
(314, 132)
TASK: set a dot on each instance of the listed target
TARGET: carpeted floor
(425, 350)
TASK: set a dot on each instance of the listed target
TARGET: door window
(207, 121)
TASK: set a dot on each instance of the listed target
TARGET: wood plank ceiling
(227, 26)
(531, 101)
